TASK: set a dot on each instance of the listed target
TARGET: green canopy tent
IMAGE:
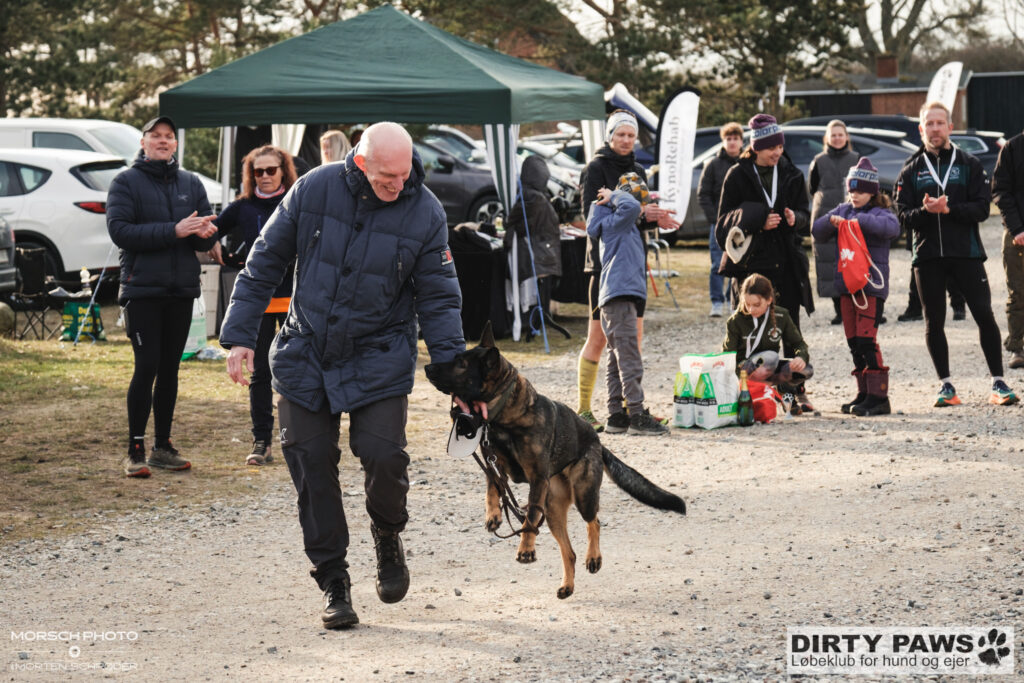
(381, 65)
(386, 65)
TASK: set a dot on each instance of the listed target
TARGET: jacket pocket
(289, 355)
(384, 362)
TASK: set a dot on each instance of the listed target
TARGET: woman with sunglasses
(267, 173)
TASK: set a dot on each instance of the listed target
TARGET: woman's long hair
(288, 175)
(337, 146)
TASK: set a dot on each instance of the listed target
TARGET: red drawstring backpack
(855, 262)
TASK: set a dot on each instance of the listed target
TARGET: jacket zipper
(305, 254)
(938, 216)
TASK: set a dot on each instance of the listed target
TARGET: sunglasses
(269, 170)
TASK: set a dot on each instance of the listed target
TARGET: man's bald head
(385, 156)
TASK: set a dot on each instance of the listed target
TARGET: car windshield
(120, 139)
(98, 175)
(548, 152)
(455, 145)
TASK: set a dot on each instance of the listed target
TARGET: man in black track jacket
(942, 194)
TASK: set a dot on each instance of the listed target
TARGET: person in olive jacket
(764, 182)
(160, 217)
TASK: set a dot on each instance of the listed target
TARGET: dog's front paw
(527, 556)
(564, 592)
(594, 564)
(493, 522)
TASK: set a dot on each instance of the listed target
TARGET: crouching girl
(767, 343)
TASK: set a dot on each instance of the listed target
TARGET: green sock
(586, 379)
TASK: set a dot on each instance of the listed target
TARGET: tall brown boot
(862, 391)
(877, 402)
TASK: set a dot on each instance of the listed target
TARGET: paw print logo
(995, 650)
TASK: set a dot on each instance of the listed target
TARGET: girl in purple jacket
(880, 226)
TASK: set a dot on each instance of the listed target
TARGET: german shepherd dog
(546, 444)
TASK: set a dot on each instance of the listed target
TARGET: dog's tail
(638, 486)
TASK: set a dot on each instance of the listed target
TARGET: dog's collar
(502, 400)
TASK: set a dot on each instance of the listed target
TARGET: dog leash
(495, 475)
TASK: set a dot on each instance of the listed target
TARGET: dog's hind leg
(587, 496)
(527, 541)
(492, 508)
(557, 509)
(593, 559)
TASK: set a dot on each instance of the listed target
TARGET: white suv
(57, 199)
(94, 135)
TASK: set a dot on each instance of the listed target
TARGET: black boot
(338, 612)
(909, 315)
(803, 401)
(877, 402)
(861, 392)
(392, 574)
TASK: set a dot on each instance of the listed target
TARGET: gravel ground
(912, 519)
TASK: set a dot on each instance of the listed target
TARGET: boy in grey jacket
(623, 285)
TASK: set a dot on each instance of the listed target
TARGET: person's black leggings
(972, 281)
(158, 329)
(261, 394)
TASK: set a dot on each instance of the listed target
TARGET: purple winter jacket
(879, 226)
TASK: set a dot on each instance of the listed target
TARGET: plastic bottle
(84, 275)
(744, 404)
(499, 224)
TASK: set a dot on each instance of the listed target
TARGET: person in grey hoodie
(533, 213)
(623, 285)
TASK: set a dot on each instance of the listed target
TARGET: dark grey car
(465, 189)
(803, 143)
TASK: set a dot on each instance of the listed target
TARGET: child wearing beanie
(879, 225)
(623, 289)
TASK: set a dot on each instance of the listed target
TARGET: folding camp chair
(30, 298)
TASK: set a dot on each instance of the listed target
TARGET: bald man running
(371, 249)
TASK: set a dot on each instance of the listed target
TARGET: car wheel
(486, 209)
(54, 266)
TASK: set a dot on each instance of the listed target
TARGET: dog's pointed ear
(487, 338)
(492, 358)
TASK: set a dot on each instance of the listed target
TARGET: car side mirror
(445, 163)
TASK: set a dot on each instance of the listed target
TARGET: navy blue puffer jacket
(143, 205)
(365, 270)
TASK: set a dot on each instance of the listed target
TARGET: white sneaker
(717, 309)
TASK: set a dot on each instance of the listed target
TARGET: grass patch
(64, 426)
(64, 433)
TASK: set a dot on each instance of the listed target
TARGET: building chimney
(886, 67)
